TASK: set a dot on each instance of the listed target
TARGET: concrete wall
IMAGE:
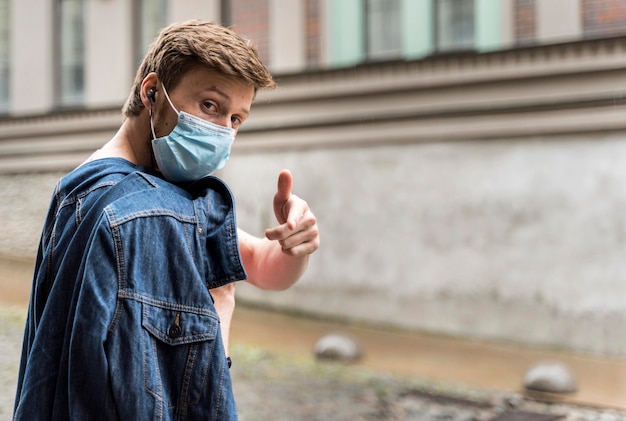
(452, 203)
(519, 240)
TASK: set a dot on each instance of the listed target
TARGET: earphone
(151, 93)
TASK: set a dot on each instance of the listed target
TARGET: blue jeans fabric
(121, 324)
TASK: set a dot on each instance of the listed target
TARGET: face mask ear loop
(151, 125)
(168, 100)
(171, 105)
(154, 164)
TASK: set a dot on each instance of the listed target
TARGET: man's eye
(209, 106)
(235, 120)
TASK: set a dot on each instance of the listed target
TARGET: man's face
(209, 95)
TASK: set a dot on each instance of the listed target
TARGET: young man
(134, 283)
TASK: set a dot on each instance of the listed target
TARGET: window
(383, 29)
(152, 17)
(602, 18)
(71, 65)
(454, 25)
(4, 55)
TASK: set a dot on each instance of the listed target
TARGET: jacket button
(175, 330)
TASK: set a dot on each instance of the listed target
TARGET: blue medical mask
(193, 150)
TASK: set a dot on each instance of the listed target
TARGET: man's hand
(297, 233)
(279, 260)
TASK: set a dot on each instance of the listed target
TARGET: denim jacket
(121, 324)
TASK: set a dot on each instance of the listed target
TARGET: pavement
(402, 376)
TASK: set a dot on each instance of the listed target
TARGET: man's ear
(149, 89)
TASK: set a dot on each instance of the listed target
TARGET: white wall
(519, 240)
(558, 20)
(182, 10)
(32, 88)
(287, 36)
(507, 11)
(109, 64)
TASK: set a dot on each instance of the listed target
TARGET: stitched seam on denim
(150, 364)
(57, 199)
(188, 240)
(188, 339)
(95, 187)
(220, 389)
(77, 209)
(151, 360)
(207, 366)
(57, 193)
(188, 375)
(232, 240)
(234, 246)
(71, 200)
(148, 178)
(156, 212)
(121, 275)
(232, 232)
(51, 254)
(199, 232)
(158, 393)
(163, 335)
(167, 305)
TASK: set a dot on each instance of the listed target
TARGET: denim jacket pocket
(178, 345)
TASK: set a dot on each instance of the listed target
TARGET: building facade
(465, 158)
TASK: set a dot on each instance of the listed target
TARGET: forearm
(278, 260)
(278, 270)
(267, 265)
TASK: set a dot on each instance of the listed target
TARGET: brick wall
(525, 22)
(604, 17)
(250, 18)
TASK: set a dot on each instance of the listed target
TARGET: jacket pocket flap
(177, 327)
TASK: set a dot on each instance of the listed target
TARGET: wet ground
(403, 375)
(479, 364)
(271, 386)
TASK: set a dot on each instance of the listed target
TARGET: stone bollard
(337, 347)
(550, 377)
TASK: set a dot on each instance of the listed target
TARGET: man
(134, 283)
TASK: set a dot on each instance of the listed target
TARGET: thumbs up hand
(297, 232)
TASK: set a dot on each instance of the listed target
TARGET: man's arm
(277, 261)
(267, 266)
(224, 302)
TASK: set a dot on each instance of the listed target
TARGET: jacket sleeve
(89, 374)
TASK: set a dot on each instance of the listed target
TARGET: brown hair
(181, 47)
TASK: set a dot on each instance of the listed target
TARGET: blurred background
(466, 159)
